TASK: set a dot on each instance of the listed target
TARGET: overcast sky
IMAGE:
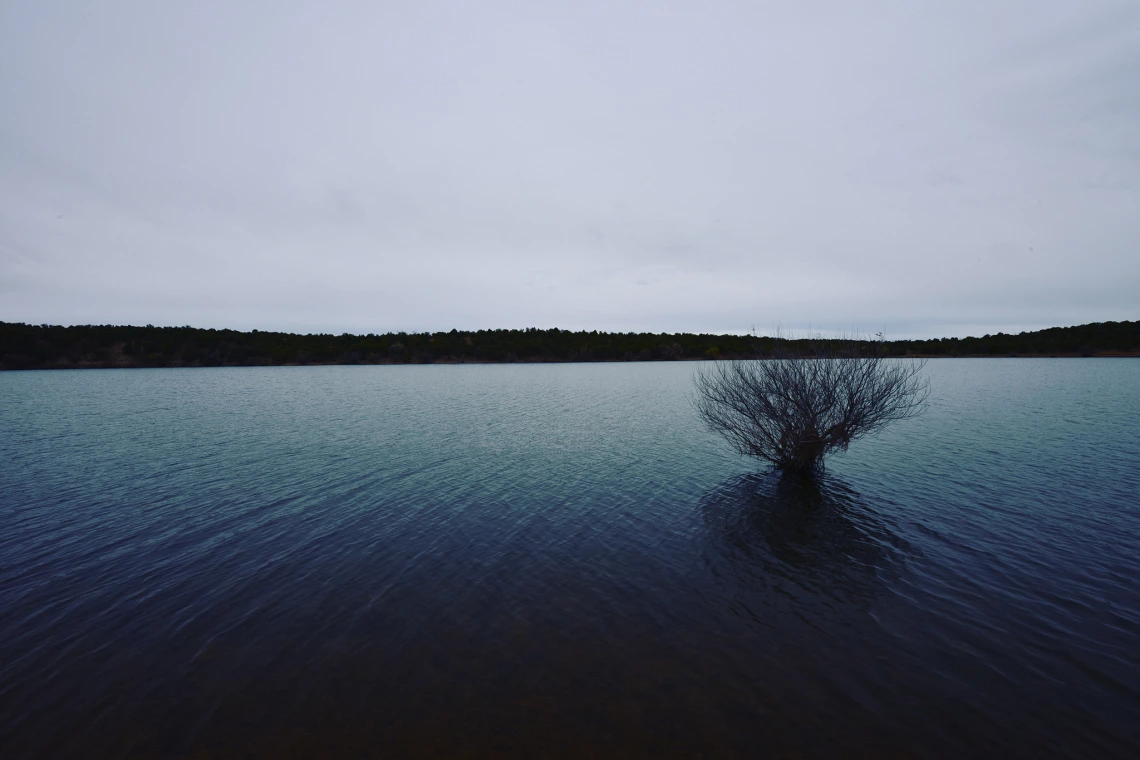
(930, 169)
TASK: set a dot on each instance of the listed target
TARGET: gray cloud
(666, 166)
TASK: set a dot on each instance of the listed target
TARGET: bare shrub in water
(799, 404)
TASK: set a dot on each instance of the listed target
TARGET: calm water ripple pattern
(559, 561)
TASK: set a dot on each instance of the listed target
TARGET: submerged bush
(796, 406)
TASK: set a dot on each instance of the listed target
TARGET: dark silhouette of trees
(24, 346)
(797, 405)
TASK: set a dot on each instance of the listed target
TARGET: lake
(558, 560)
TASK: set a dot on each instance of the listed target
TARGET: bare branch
(795, 407)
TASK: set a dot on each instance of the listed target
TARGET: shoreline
(25, 346)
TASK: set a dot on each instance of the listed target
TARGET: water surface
(557, 560)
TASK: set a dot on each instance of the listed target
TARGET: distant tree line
(24, 346)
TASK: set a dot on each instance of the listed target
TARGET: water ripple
(558, 560)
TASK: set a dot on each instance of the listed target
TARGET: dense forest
(24, 346)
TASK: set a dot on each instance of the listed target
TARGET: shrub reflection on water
(800, 536)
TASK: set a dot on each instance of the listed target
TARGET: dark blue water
(557, 560)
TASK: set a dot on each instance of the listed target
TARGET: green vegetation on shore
(24, 346)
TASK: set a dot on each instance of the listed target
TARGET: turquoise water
(558, 560)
